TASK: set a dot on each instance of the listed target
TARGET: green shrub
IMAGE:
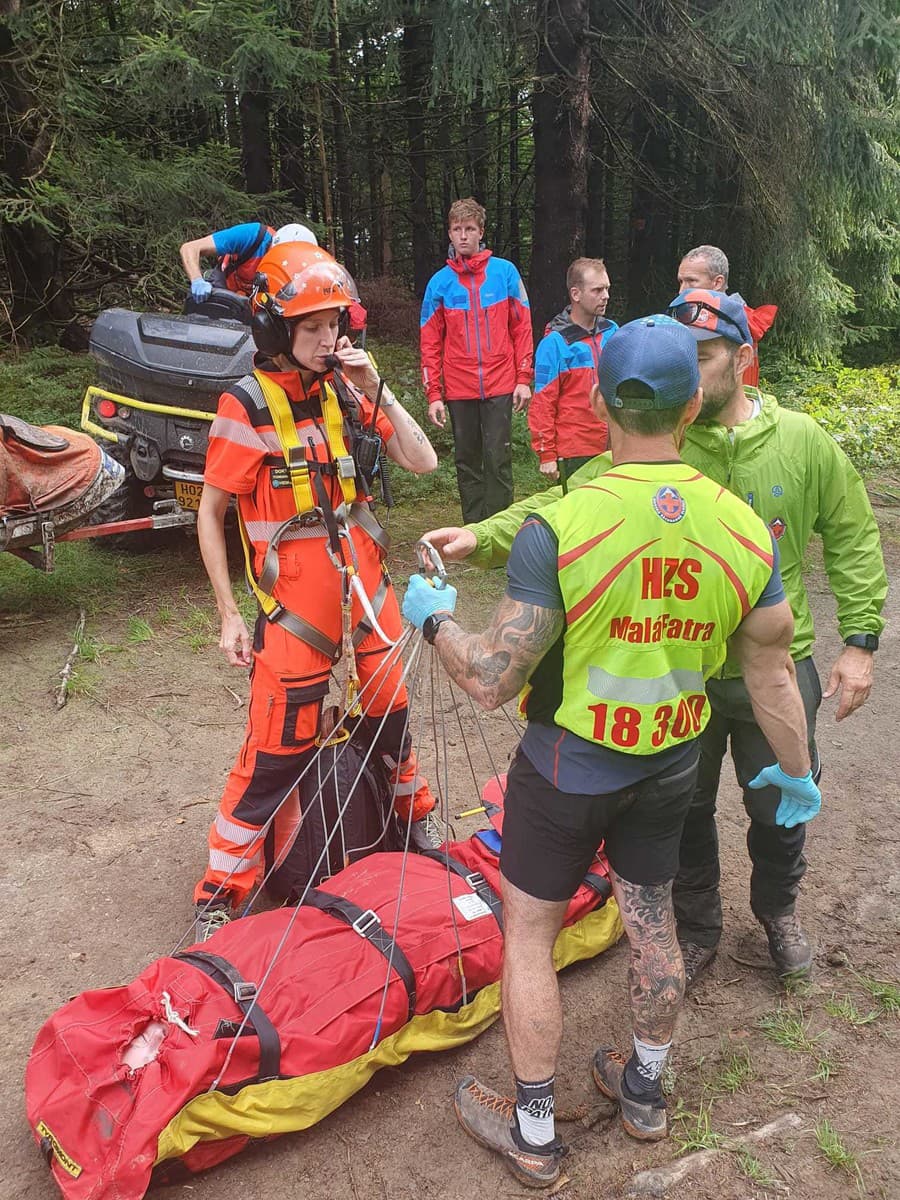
(860, 408)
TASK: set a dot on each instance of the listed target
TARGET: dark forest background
(628, 130)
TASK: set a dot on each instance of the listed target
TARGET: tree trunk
(515, 237)
(415, 56)
(325, 179)
(341, 162)
(292, 172)
(376, 204)
(561, 111)
(256, 148)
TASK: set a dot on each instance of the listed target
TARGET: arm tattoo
(414, 429)
(493, 666)
(656, 972)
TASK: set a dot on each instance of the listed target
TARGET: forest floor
(107, 803)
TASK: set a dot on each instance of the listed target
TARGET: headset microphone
(332, 362)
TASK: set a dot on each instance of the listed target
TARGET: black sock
(637, 1086)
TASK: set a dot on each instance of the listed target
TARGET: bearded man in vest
(307, 404)
(622, 598)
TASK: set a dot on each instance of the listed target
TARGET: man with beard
(565, 433)
(800, 482)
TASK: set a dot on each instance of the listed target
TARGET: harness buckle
(365, 922)
(244, 992)
(346, 467)
(476, 880)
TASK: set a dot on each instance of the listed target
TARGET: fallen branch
(66, 673)
(661, 1180)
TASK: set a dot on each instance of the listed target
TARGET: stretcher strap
(474, 879)
(366, 923)
(244, 995)
(599, 884)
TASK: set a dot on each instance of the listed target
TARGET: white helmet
(294, 233)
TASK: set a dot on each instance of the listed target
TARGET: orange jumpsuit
(289, 678)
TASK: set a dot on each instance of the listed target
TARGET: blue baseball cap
(712, 314)
(657, 352)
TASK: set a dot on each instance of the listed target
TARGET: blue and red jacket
(560, 417)
(232, 244)
(475, 330)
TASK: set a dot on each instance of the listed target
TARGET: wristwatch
(432, 624)
(864, 641)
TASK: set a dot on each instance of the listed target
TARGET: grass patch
(826, 1069)
(751, 1167)
(734, 1073)
(46, 385)
(845, 1009)
(831, 1147)
(790, 1030)
(885, 993)
(139, 631)
(694, 1130)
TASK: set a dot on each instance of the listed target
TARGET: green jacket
(796, 477)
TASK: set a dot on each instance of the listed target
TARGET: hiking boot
(490, 1120)
(788, 945)
(210, 919)
(696, 960)
(427, 833)
(645, 1118)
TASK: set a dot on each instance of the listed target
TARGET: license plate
(188, 494)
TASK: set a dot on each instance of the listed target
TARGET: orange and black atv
(159, 378)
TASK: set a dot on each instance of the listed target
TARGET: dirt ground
(107, 803)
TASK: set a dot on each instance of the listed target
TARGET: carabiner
(430, 562)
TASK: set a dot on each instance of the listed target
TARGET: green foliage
(859, 408)
(45, 386)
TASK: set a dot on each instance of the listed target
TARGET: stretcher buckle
(476, 881)
(365, 922)
(244, 991)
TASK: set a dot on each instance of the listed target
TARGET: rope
(414, 661)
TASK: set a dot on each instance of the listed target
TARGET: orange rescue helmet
(296, 278)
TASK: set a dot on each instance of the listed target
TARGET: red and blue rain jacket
(475, 330)
(560, 418)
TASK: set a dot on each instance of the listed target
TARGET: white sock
(534, 1111)
(650, 1059)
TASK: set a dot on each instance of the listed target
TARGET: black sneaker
(643, 1119)
(489, 1118)
(696, 960)
(210, 919)
(788, 945)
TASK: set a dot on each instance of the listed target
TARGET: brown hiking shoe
(788, 945)
(696, 960)
(490, 1119)
(644, 1119)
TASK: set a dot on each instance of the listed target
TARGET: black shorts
(550, 837)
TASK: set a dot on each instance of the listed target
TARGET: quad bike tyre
(125, 504)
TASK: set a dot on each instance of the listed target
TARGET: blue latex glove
(800, 798)
(423, 598)
(200, 288)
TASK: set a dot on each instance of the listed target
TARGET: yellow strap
(285, 427)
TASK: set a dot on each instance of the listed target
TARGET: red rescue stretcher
(281, 1017)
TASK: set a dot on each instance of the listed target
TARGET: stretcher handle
(430, 562)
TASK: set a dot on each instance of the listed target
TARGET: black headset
(271, 331)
